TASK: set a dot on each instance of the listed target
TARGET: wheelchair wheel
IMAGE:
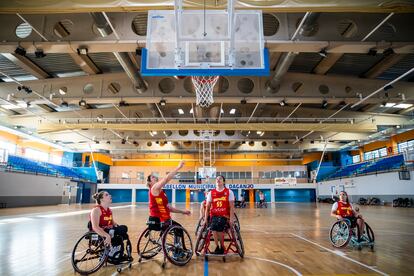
(369, 233)
(340, 234)
(89, 253)
(198, 226)
(201, 240)
(236, 221)
(239, 241)
(149, 244)
(177, 245)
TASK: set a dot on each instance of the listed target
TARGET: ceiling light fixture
(323, 53)
(82, 102)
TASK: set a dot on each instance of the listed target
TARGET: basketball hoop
(204, 86)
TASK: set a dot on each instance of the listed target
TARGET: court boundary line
(275, 262)
(341, 254)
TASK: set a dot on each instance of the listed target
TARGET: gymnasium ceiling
(317, 81)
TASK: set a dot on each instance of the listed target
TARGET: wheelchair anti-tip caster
(119, 269)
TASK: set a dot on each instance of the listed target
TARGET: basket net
(204, 86)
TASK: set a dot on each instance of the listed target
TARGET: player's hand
(187, 212)
(338, 217)
(107, 240)
(182, 163)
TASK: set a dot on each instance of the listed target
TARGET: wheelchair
(201, 221)
(231, 235)
(173, 240)
(90, 254)
(342, 234)
(262, 204)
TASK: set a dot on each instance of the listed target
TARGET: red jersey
(344, 209)
(158, 206)
(105, 220)
(220, 206)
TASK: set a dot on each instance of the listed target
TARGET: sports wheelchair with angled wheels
(231, 235)
(261, 204)
(343, 233)
(90, 254)
(173, 240)
(201, 222)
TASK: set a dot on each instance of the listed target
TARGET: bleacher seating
(389, 163)
(21, 164)
(348, 170)
(383, 164)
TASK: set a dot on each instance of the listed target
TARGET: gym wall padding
(120, 195)
(294, 195)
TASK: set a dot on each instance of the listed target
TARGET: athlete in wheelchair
(163, 233)
(262, 201)
(219, 223)
(104, 242)
(350, 227)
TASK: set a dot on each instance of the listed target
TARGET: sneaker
(179, 255)
(221, 250)
(218, 250)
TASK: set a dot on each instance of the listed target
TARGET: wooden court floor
(285, 239)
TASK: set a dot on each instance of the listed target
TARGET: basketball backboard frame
(231, 43)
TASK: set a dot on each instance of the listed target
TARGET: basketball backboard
(184, 42)
(206, 172)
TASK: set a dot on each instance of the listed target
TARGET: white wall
(386, 186)
(18, 189)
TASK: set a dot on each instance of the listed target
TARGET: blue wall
(120, 195)
(168, 192)
(295, 195)
(267, 194)
(141, 196)
(236, 194)
(179, 195)
(85, 190)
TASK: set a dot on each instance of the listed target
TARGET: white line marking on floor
(56, 215)
(281, 264)
(53, 215)
(14, 220)
(340, 254)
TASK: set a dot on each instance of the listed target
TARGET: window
(374, 154)
(356, 158)
(125, 175)
(140, 175)
(408, 145)
(11, 148)
(383, 152)
(36, 155)
(248, 175)
(242, 175)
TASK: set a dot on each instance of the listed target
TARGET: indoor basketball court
(244, 137)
